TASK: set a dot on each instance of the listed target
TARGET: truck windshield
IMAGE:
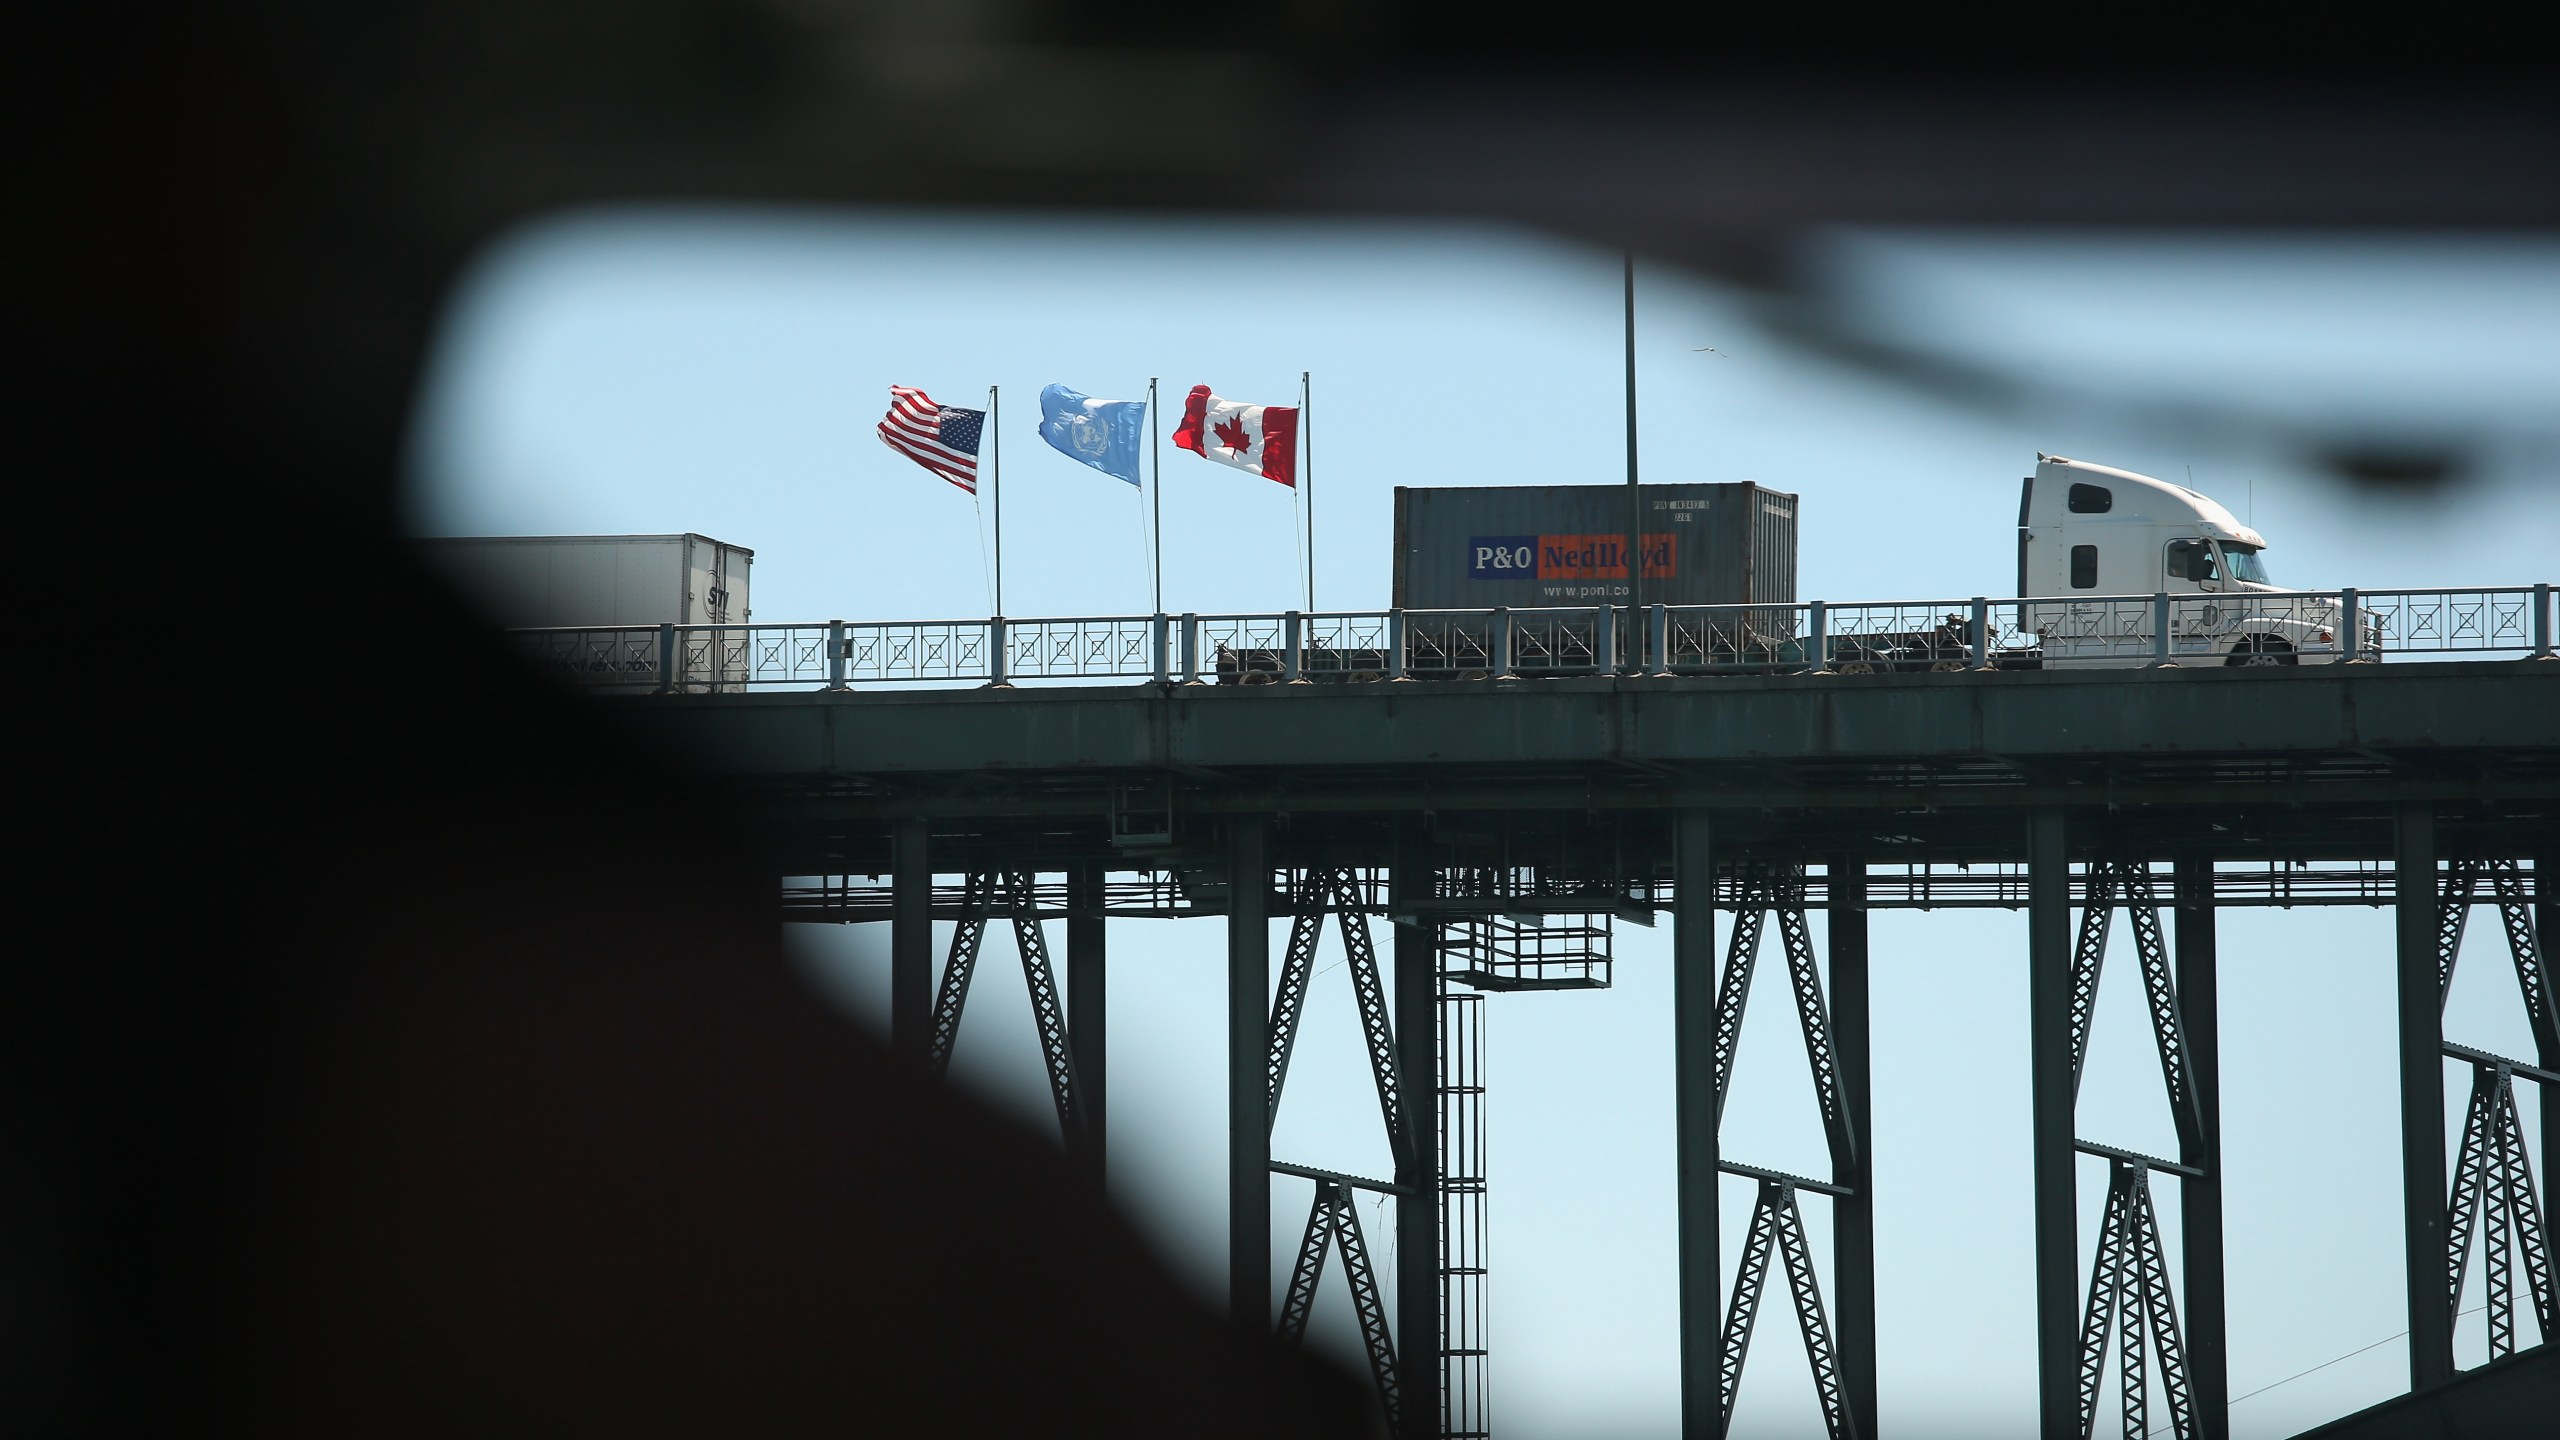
(2244, 564)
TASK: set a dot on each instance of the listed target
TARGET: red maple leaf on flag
(1232, 435)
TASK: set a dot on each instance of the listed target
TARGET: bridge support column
(1853, 1246)
(910, 940)
(2422, 1178)
(2057, 1230)
(1087, 1009)
(1249, 1075)
(1693, 1012)
(1417, 1029)
(2200, 1197)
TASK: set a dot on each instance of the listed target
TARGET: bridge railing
(1977, 633)
(2510, 619)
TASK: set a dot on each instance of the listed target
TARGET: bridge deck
(2300, 762)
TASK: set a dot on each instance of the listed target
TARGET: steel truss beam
(1050, 1015)
(2533, 962)
(2533, 975)
(2088, 959)
(1782, 891)
(2128, 883)
(952, 995)
(2493, 1189)
(1776, 1224)
(1368, 993)
(2129, 1288)
(1047, 1013)
(1334, 1223)
(1337, 1177)
(836, 897)
(2535, 1073)
(1756, 1172)
(1733, 991)
(1297, 969)
(1821, 1051)
(2493, 1192)
(1333, 1219)
(2129, 1276)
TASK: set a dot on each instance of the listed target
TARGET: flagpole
(995, 482)
(1307, 476)
(1635, 493)
(1155, 439)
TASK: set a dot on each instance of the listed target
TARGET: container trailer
(1477, 546)
(603, 583)
(2105, 557)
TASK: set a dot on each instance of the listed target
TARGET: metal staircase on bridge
(1474, 955)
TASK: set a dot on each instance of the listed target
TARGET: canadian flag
(1262, 439)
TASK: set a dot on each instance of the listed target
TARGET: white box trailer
(598, 582)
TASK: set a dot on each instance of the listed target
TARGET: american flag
(941, 438)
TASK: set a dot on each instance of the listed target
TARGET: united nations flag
(1105, 434)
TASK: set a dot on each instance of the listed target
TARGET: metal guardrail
(2050, 632)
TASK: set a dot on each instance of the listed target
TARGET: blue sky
(721, 372)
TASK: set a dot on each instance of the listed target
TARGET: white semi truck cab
(2091, 535)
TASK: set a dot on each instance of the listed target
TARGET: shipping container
(1527, 546)
(551, 581)
(545, 580)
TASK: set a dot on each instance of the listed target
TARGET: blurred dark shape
(397, 1049)
(2369, 463)
(2388, 466)
(443, 1074)
(1831, 329)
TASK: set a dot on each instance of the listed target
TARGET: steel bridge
(1503, 826)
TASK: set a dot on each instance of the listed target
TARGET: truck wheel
(2261, 650)
(1855, 667)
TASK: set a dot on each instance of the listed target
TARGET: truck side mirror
(2192, 560)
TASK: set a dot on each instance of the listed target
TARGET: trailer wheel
(2262, 650)
(1947, 666)
(1855, 667)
